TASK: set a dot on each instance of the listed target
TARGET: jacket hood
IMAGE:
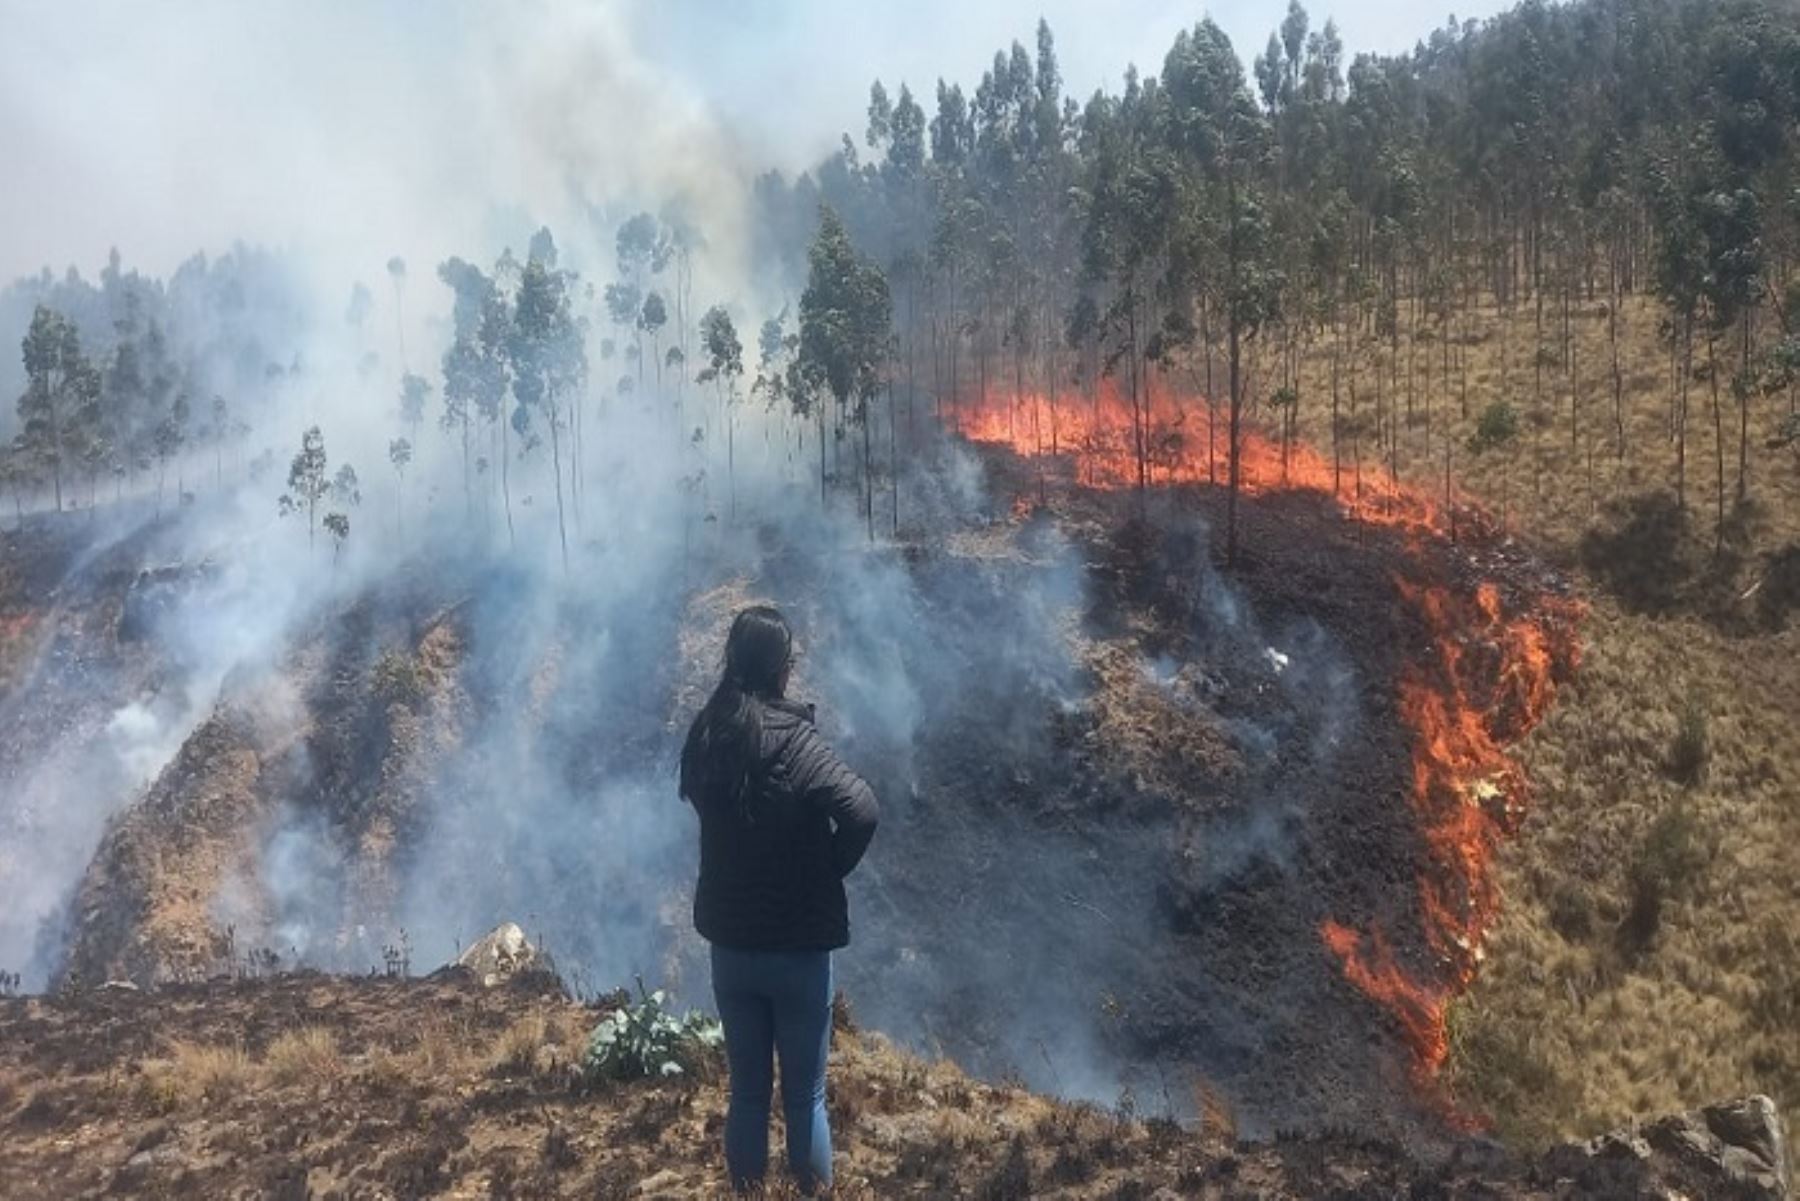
(794, 711)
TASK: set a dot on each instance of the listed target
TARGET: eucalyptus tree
(59, 409)
(168, 439)
(1215, 130)
(477, 368)
(643, 248)
(337, 524)
(414, 393)
(651, 319)
(846, 320)
(218, 433)
(549, 362)
(19, 474)
(400, 453)
(1133, 198)
(308, 480)
(724, 368)
(396, 269)
(356, 312)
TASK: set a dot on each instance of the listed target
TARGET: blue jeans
(775, 1002)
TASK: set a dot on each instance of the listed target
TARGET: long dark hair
(723, 745)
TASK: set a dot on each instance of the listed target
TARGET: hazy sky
(806, 66)
(352, 129)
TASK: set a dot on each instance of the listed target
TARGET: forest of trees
(1205, 231)
(1554, 156)
(130, 381)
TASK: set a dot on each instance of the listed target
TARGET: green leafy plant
(645, 1040)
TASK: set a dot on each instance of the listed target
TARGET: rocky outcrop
(1734, 1150)
(505, 955)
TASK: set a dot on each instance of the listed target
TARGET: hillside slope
(1645, 953)
(314, 1086)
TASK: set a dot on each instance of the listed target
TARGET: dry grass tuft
(309, 1055)
(1217, 1121)
(386, 1072)
(519, 1050)
(442, 1048)
(195, 1072)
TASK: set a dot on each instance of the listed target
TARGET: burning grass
(1494, 647)
(1570, 1025)
(1681, 719)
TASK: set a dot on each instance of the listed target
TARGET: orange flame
(1184, 442)
(1489, 680)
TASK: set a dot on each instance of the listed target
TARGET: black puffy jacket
(772, 872)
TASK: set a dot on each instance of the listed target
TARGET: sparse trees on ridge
(549, 364)
(846, 318)
(724, 368)
(308, 483)
(400, 453)
(59, 410)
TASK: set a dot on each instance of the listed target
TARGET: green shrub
(645, 1040)
(1673, 854)
(1692, 749)
(1570, 909)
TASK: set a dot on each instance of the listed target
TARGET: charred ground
(1126, 789)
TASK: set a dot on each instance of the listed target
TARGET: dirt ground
(309, 1086)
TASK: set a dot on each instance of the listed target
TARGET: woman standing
(782, 822)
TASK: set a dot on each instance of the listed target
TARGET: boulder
(1737, 1150)
(504, 955)
(1743, 1141)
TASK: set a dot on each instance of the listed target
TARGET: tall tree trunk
(512, 536)
(562, 529)
(1572, 352)
(1712, 372)
(1140, 447)
(868, 458)
(1337, 458)
(1742, 388)
(1234, 445)
(912, 355)
(1687, 374)
(894, 449)
(1234, 333)
(1618, 376)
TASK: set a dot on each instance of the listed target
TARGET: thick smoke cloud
(343, 134)
(350, 132)
(331, 138)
